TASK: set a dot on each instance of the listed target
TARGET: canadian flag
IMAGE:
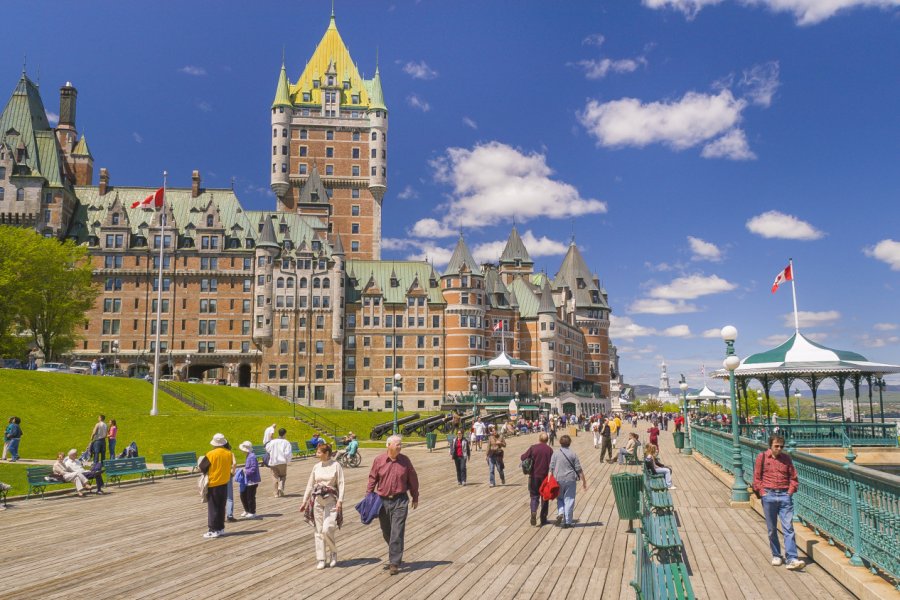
(156, 198)
(786, 275)
(498, 326)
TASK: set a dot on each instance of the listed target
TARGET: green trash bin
(430, 441)
(678, 436)
(627, 491)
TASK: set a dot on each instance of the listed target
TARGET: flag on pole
(498, 326)
(156, 199)
(786, 275)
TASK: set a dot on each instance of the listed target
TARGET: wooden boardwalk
(145, 541)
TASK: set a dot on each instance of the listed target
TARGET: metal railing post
(855, 560)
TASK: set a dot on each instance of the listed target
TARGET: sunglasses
(777, 446)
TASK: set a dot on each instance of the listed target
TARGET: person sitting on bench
(630, 448)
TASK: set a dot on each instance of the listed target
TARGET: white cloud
(879, 342)
(658, 306)
(774, 224)
(431, 228)
(418, 103)
(714, 333)
(885, 326)
(733, 146)
(137, 137)
(204, 105)
(626, 329)
(595, 39)
(806, 12)
(681, 331)
(537, 247)
(812, 319)
(659, 267)
(693, 119)
(419, 250)
(192, 70)
(761, 83)
(691, 287)
(887, 251)
(703, 250)
(599, 68)
(774, 340)
(468, 122)
(493, 182)
(419, 70)
(52, 117)
(408, 193)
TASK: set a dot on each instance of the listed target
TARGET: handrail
(184, 396)
(855, 506)
(317, 421)
(826, 433)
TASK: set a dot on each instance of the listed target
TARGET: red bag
(549, 489)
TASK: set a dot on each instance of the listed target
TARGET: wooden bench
(631, 458)
(654, 482)
(659, 578)
(259, 451)
(38, 480)
(178, 460)
(118, 467)
(661, 532)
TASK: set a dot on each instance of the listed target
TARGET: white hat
(218, 440)
(73, 452)
(246, 446)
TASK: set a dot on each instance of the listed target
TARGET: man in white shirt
(479, 433)
(595, 429)
(280, 455)
(268, 434)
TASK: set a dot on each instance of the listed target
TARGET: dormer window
(355, 98)
(346, 85)
(209, 220)
(395, 282)
(316, 84)
(581, 284)
(314, 197)
(307, 97)
(282, 228)
(115, 218)
(330, 80)
(2, 172)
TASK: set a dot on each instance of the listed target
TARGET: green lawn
(58, 412)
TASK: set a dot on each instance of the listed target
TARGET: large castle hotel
(298, 300)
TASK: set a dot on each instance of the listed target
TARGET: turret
(83, 163)
(337, 290)
(267, 250)
(282, 109)
(377, 139)
(546, 330)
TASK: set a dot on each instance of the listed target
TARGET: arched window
(209, 220)
(374, 136)
(279, 283)
(303, 134)
(20, 194)
(1, 193)
(302, 283)
(316, 282)
(326, 283)
(284, 133)
(290, 282)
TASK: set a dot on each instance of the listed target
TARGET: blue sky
(690, 146)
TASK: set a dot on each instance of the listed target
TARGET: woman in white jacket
(322, 504)
(62, 470)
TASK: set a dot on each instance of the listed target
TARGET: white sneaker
(333, 562)
(795, 565)
(244, 515)
(248, 515)
(672, 487)
(220, 532)
(211, 534)
(320, 565)
(776, 561)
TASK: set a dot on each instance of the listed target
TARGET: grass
(58, 412)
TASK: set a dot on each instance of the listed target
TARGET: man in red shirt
(654, 435)
(775, 480)
(540, 455)
(393, 477)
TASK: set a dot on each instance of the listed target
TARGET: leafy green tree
(17, 248)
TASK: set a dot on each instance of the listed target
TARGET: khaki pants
(325, 513)
(279, 473)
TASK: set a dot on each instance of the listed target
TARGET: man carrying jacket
(540, 455)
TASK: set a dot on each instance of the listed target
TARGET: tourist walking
(775, 480)
(218, 465)
(11, 438)
(595, 430)
(460, 452)
(280, 456)
(394, 478)
(479, 432)
(605, 441)
(248, 481)
(496, 444)
(323, 503)
(654, 467)
(552, 434)
(566, 469)
(111, 437)
(269, 433)
(98, 439)
(540, 455)
(654, 434)
(630, 448)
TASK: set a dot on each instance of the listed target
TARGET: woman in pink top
(111, 436)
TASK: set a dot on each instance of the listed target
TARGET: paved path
(145, 541)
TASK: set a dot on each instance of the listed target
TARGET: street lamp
(759, 397)
(398, 382)
(474, 401)
(115, 349)
(187, 367)
(686, 448)
(739, 491)
(797, 396)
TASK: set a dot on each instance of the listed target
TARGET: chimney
(195, 184)
(104, 181)
(67, 97)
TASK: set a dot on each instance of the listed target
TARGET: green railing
(853, 506)
(807, 435)
(317, 421)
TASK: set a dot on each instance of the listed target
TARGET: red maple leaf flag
(498, 326)
(156, 198)
(785, 275)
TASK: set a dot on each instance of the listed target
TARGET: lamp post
(474, 402)
(115, 349)
(797, 396)
(879, 382)
(398, 382)
(739, 491)
(759, 396)
(686, 450)
(187, 367)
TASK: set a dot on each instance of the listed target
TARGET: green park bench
(659, 578)
(661, 532)
(260, 451)
(631, 458)
(179, 460)
(118, 467)
(38, 480)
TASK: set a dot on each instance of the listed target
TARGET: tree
(17, 248)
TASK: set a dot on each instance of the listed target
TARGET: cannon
(379, 430)
(409, 428)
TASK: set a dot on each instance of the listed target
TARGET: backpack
(527, 465)
(130, 452)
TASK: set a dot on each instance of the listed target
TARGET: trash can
(430, 441)
(627, 492)
(678, 436)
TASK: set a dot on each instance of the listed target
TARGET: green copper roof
(282, 90)
(376, 96)
(575, 275)
(461, 256)
(267, 236)
(380, 272)
(515, 250)
(547, 306)
(801, 349)
(527, 300)
(81, 148)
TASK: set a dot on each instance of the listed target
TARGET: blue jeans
(565, 502)
(778, 506)
(666, 472)
(112, 447)
(98, 450)
(492, 463)
(229, 503)
(13, 449)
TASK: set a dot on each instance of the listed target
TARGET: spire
(461, 256)
(547, 306)
(81, 149)
(515, 249)
(337, 248)
(283, 90)
(376, 95)
(267, 237)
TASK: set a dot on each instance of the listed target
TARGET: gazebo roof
(799, 356)
(502, 364)
(707, 394)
